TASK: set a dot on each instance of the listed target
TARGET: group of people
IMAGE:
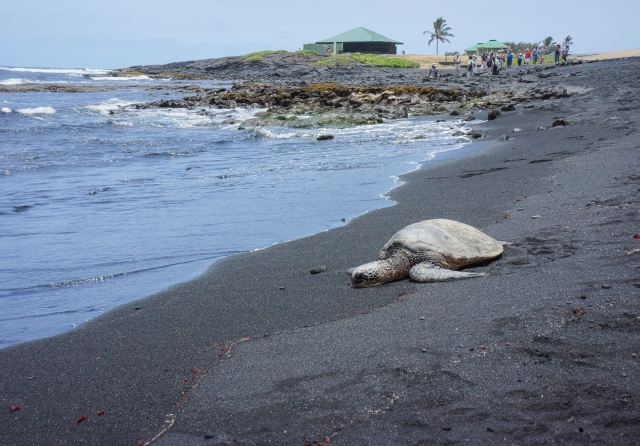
(493, 63)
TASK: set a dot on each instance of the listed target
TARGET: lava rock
(324, 137)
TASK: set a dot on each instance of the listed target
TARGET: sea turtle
(428, 251)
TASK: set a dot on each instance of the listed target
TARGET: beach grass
(252, 57)
(306, 52)
(336, 60)
(375, 60)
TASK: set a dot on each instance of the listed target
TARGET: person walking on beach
(484, 62)
(495, 66)
(489, 63)
(557, 54)
(470, 66)
(535, 56)
(519, 57)
(565, 53)
(456, 61)
(509, 58)
(527, 56)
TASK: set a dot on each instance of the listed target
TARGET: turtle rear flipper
(428, 272)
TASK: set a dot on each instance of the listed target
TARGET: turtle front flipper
(428, 272)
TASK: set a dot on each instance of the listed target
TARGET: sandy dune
(613, 55)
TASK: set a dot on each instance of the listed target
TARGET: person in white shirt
(470, 66)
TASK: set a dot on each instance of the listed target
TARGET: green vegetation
(375, 60)
(383, 61)
(336, 60)
(252, 57)
(306, 52)
(550, 59)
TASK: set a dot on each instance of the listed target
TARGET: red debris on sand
(81, 418)
(578, 311)
(185, 380)
(15, 408)
(324, 442)
(100, 413)
(403, 293)
(175, 403)
(140, 442)
(196, 371)
(636, 235)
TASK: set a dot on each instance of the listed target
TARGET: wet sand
(260, 351)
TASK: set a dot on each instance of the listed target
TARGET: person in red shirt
(527, 56)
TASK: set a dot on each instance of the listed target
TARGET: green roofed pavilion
(487, 47)
(358, 40)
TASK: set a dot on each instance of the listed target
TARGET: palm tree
(567, 41)
(440, 32)
(547, 42)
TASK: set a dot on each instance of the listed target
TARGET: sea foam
(109, 105)
(127, 78)
(14, 81)
(57, 70)
(37, 111)
(5, 110)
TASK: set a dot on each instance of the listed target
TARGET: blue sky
(120, 33)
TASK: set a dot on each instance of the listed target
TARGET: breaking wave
(37, 111)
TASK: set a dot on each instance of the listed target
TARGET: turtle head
(367, 275)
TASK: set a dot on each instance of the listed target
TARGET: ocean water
(102, 204)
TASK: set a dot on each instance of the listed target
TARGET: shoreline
(381, 201)
(265, 347)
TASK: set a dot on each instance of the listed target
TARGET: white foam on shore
(119, 78)
(37, 111)
(112, 104)
(5, 110)
(17, 81)
(57, 70)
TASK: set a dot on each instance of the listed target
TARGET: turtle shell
(457, 243)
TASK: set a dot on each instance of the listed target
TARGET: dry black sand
(259, 351)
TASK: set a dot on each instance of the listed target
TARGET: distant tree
(568, 41)
(440, 32)
(522, 46)
(547, 43)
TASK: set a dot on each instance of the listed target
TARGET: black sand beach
(259, 351)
